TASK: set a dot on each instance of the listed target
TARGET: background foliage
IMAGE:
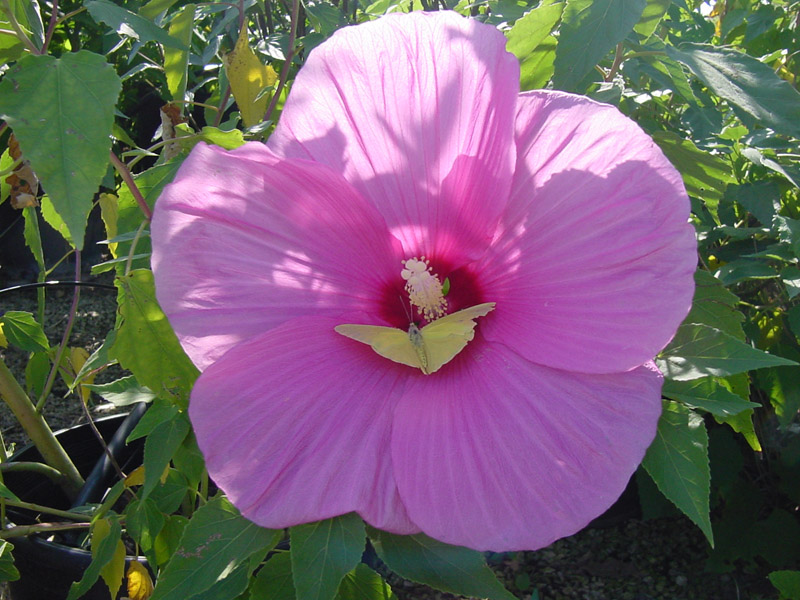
(104, 100)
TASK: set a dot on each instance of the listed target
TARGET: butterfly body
(427, 348)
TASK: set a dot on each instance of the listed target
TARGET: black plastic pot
(48, 567)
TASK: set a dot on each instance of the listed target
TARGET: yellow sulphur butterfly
(428, 348)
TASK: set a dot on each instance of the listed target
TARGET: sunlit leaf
(248, 79)
(525, 41)
(129, 23)
(589, 30)
(61, 111)
(176, 60)
(744, 81)
(677, 461)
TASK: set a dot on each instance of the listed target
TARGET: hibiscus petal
(416, 110)
(244, 241)
(295, 427)
(498, 453)
(594, 260)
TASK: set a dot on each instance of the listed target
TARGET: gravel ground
(659, 559)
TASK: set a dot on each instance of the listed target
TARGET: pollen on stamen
(424, 288)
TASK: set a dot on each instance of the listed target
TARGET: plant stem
(39, 431)
(73, 309)
(287, 63)
(51, 27)
(33, 467)
(128, 179)
(24, 530)
(73, 516)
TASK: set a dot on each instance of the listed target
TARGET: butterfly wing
(446, 337)
(389, 342)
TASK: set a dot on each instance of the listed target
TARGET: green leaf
(159, 412)
(106, 535)
(362, 583)
(130, 217)
(791, 280)
(745, 82)
(787, 583)
(229, 588)
(122, 392)
(789, 232)
(125, 22)
(714, 305)
(169, 538)
(705, 176)
(448, 568)
(743, 269)
(323, 553)
(176, 60)
(33, 237)
(159, 447)
(22, 330)
(274, 580)
(589, 30)
(155, 7)
(677, 461)
(144, 521)
(7, 493)
(784, 393)
(699, 350)
(216, 540)
(145, 343)
(8, 572)
(654, 11)
(525, 39)
(61, 111)
(707, 394)
(188, 138)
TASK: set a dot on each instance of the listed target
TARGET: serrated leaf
(22, 330)
(791, 281)
(324, 552)
(677, 460)
(789, 232)
(176, 61)
(526, 37)
(707, 394)
(362, 583)
(216, 540)
(145, 343)
(780, 384)
(248, 79)
(699, 351)
(589, 30)
(169, 538)
(105, 540)
(125, 22)
(448, 568)
(144, 522)
(61, 111)
(745, 82)
(714, 305)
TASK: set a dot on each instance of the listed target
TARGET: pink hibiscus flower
(406, 138)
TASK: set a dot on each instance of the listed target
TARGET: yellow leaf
(77, 358)
(140, 586)
(113, 571)
(3, 340)
(135, 477)
(109, 212)
(248, 79)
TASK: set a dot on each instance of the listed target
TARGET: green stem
(39, 431)
(24, 530)
(32, 467)
(51, 378)
(64, 514)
